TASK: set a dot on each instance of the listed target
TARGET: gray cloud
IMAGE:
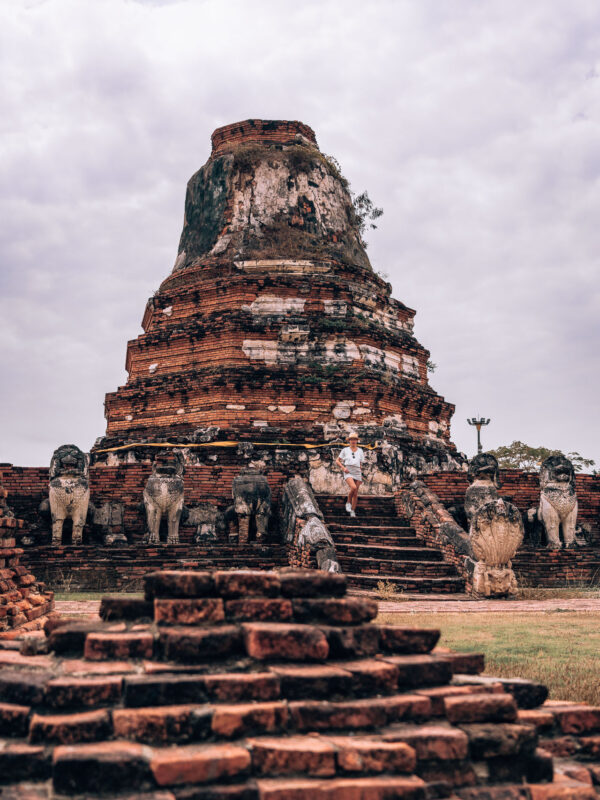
(475, 126)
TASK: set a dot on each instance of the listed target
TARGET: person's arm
(339, 463)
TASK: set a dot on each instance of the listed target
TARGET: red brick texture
(216, 708)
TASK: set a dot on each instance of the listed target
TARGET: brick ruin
(24, 601)
(245, 685)
(271, 338)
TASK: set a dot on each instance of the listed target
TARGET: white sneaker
(348, 508)
(352, 513)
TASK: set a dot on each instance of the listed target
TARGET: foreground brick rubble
(24, 601)
(273, 685)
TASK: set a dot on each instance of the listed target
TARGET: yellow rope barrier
(230, 444)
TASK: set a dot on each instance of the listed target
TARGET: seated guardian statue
(69, 491)
(558, 501)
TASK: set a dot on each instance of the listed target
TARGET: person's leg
(351, 486)
(355, 494)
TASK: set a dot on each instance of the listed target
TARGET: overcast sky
(474, 124)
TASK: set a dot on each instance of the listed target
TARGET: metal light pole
(479, 423)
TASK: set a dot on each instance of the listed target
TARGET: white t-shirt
(352, 459)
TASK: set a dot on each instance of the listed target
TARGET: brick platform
(267, 686)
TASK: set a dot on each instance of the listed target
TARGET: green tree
(521, 456)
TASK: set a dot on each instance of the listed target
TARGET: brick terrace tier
(273, 325)
(270, 686)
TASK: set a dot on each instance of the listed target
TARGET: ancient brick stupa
(273, 326)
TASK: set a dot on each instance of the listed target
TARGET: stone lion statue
(163, 496)
(558, 501)
(484, 477)
(69, 491)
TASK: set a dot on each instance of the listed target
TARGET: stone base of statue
(491, 581)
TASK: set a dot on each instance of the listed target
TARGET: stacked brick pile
(259, 686)
(273, 325)
(23, 601)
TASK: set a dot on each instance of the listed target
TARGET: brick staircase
(380, 546)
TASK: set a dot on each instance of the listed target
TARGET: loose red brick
(312, 583)
(397, 639)
(88, 726)
(24, 762)
(372, 788)
(289, 642)
(371, 676)
(199, 764)
(14, 720)
(577, 718)
(109, 646)
(500, 739)
(420, 670)
(309, 755)
(125, 608)
(360, 640)
(178, 583)
(239, 583)
(163, 690)
(540, 719)
(23, 688)
(259, 609)
(481, 708)
(437, 694)
(82, 692)
(188, 611)
(355, 714)
(432, 741)
(342, 611)
(463, 663)
(366, 755)
(115, 766)
(81, 667)
(164, 724)
(249, 719)
(552, 791)
(313, 681)
(233, 687)
(191, 645)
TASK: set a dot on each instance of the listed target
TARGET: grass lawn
(83, 596)
(559, 649)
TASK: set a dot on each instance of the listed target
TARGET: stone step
(363, 519)
(366, 566)
(445, 585)
(376, 530)
(376, 552)
(358, 537)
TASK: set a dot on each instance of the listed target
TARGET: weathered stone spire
(268, 189)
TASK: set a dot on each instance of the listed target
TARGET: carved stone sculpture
(163, 496)
(69, 491)
(251, 498)
(302, 525)
(495, 529)
(108, 522)
(496, 533)
(558, 501)
(484, 477)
